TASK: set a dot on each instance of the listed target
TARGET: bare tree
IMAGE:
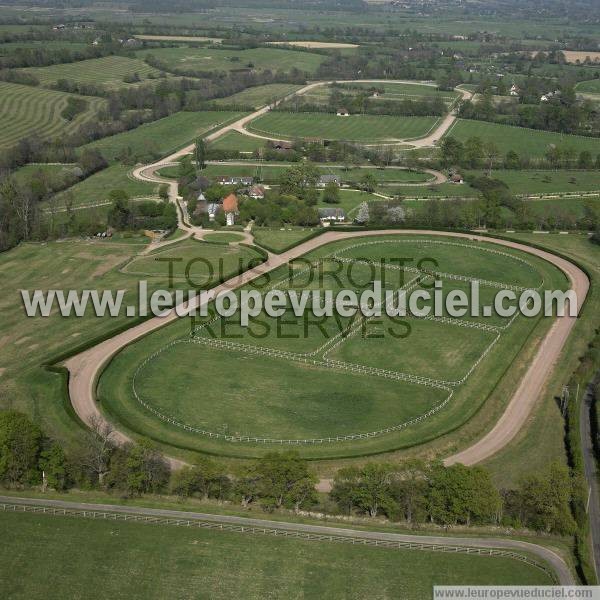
(99, 447)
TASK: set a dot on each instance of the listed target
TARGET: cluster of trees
(416, 492)
(361, 101)
(20, 216)
(44, 56)
(496, 208)
(564, 112)
(475, 153)
(413, 492)
(147, 214)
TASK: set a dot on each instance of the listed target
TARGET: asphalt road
(545, 554)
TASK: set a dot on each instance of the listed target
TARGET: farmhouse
(342, 112)
(225, 180)
(456, 178)
(327, 215)
(256, 191)
(514, 90)
(325, 179)
(230, 208)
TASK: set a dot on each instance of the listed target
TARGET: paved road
(554, 560)
(591, 474)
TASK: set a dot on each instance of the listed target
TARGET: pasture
(233, 140)
(210, 59)
(163, 136)
(271, 173)
(525, 142)
(69, 264)
(331, 386)
(108, 71)
(260, 95)
(277, 239)
(26, 111)
(356, 128)
(589, 87)
(96, 188)
(548, 182)
(94, 559)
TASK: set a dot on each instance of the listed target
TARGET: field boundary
(283, 529)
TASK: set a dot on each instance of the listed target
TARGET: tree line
(413, 491)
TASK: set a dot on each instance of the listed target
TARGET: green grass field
(272, 172)
(589, 87)
(526, 142)
(295, 383)
(279, 238)
(549, 182)
(209, 59)
(69, 264)
(9, 47)
(108, 71)
(165, 135)
(25, 111)
(96, 559)
(217, 261)
(359, 128)
(233, 140)
(97, 187)
(260, 95)
(223, 236)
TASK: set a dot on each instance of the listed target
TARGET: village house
(514, 90)
(230, 208)
(329, 215)
(227, 180)
(342, 112)
(325, 179)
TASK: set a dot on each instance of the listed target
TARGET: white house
(342, 112)
(327, 215)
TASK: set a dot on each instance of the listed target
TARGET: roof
(331, 213)
(230, 203)
(256, 190)
(329, 179)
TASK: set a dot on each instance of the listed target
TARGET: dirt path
(437, 176)
(432, 543)
(85, 368)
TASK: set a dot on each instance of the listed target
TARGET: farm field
(217, 261)
(66, 552)
(26, 110)
(526, 142)
(108, 71)
(260, 95)
(165, 135)
(443, 190)
(309, 44)
(68, 264)
(358, 128)
(590, 87)
(277, 239)
(327, 391)
(209, 59)
(177, 38)
(97, 187)
(549, 182)
(403, 90)
(272, 172)
(233, 140)
(8, 47)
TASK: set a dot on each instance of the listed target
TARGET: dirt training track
(85, 368)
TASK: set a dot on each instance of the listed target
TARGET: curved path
(424, 542)
(437, 177)
(84, 368)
